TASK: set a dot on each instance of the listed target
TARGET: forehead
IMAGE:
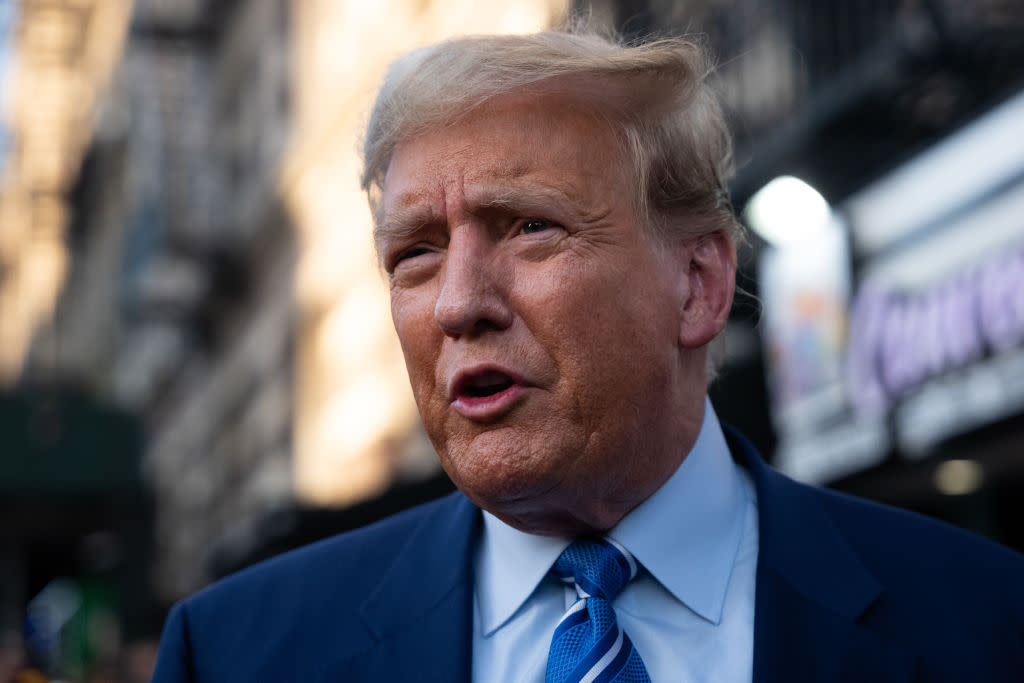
(510, 143)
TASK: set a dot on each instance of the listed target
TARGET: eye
(532, 226)
(406, 255)
(411, 253)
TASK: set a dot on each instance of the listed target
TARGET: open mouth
(484, 384)
(487, 393)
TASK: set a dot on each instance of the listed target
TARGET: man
(553, 218)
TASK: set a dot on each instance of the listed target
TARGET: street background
(197, 366)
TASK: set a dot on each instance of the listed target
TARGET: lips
(485, 392)
(483, 384)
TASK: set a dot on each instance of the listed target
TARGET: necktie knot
(599, 567)
(588, 644)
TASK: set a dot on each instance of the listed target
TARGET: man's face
(540, 322)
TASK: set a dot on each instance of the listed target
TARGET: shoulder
(281, 610)
(895, 545)
(954, 598)
(351, 562)
(937, 579)
(895, 542)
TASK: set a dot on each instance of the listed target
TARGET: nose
(473, 297)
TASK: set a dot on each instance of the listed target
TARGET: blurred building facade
(61, 57)
(207, 318)
(59, 506)
(193, 248)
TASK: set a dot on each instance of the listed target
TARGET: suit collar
(813, 591)
(420, 614)
(800, 543)
(422, 573)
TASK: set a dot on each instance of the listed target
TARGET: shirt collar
(686, 535)
(509, 566)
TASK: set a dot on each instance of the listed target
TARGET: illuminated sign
(900, 340)
(932, 345)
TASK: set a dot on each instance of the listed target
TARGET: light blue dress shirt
(690, 614)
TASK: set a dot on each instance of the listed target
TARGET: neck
(596, 508)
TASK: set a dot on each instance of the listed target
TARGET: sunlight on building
(63, 57)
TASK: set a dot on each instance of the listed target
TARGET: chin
(527, 500)
(499, 481)
(497, 484)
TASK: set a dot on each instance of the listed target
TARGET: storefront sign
(900, 340)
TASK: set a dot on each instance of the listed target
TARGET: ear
(711, 280)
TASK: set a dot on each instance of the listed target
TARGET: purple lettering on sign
(1001, 319)
(867, 318)
(898, 339)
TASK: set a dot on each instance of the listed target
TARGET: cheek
(419, 337)
(582, 327)
(615, 339)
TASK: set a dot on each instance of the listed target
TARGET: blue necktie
(588, 645)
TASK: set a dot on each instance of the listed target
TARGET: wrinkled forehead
(513, 136)
(515, 139)
(522, 152)
(586, 95)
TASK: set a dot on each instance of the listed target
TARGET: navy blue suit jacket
(847, 590)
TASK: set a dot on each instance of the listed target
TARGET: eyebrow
(410, 212)
(408, 215)
(516, 197)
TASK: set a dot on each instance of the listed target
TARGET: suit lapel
(798, 639)
(421, 614)
(812, 590)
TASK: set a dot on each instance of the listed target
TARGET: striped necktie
(588, 646)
